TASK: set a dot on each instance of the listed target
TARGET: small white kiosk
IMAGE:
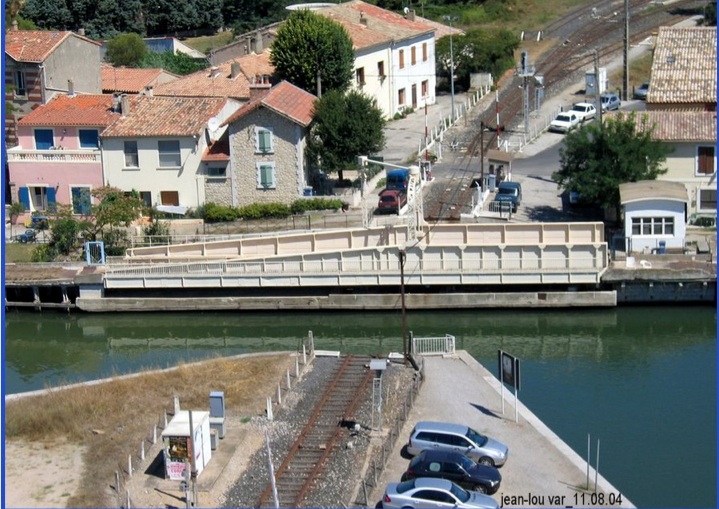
(177, 444)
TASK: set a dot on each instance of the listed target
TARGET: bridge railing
(444, 345)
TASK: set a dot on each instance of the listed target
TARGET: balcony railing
(54, 156)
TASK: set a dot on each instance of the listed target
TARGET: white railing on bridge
(444, 345)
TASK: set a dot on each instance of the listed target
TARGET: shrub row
(214, 213)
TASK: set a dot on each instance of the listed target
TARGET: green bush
(43, 253)
(301, 206)
(262, 210)
(214, 213)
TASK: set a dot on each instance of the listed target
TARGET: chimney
(410, 15)
(258, 43)
(70, 88)
(14, 25)
(124, 105)
(81, 31)
(148, 90)
(234, 70)
(363, 19)
(116, 102)
(258, 85)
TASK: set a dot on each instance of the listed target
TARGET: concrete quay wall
(541, 470)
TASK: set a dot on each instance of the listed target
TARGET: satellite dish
(406, 10)
(213, 124)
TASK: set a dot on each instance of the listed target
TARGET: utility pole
(481, 154)
(597, 94)
(402, 258)
(319, 84)
(525, 71)
(625, 80)
(451, 61)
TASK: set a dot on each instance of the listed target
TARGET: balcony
(17, 154)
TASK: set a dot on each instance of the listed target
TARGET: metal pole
(402, 257)
(496, 102)
(589, 454)
(526, 105)
(597, 90)
(481, 154)
(625, 80)
(275, 497)
(516, 418)
(596, 469)
(193, 464)
(451, 64)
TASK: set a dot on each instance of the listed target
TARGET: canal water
(640, 380)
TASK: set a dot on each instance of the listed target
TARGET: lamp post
(451, 61)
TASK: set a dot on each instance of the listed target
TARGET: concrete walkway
(541, 471)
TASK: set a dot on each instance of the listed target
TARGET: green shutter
(265, 141)
(266, 179)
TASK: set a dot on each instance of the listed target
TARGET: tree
(710, 14)
(126, 49)
(116, 209)
(48, 14)
(345, 126)
(177, 63)
(309, 45)
(597, 158)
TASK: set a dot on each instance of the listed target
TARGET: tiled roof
(284, 99)
(164, 116)
(677, 126)
(218, 80)
(651, 190)
(125, 79)
(80, 110)
(684, 68)
(219, 150)
(35, 45)
(382, 26)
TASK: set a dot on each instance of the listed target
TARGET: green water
(641, 379)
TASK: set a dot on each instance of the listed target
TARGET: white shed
(177, 445)
(654, 215)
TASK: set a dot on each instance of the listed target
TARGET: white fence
(433, 346)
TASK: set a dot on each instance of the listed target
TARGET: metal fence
(433, 346)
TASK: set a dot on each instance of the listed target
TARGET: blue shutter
(43, 139)
(24, 196)
(51, 202)
(88, 138)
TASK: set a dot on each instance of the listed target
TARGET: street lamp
(451, 60)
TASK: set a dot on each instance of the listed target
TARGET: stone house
(266, 141)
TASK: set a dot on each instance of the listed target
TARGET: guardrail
(433, 346)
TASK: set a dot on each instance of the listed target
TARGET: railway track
(595, 26)
(309, 455)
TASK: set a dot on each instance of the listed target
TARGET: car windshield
(460, 493)
(466, 463)
(563, 118)
(507, 190)
(477, 438)
(404, 486)
(388, 198)
(580, 108)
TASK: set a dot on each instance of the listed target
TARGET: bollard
(297, 368)
(269, 409)
(279, 395)
(304, 355)
(117, 480)
(129, 465)
(289, 385)
(176, 402)
(142, 450)
(165, 416)
(154, 434)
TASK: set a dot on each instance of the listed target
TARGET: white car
(584, 111)
(564, 122)
(432, 493)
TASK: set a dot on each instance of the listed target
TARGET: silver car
(429, 493)
(446, 436)
(641, 91)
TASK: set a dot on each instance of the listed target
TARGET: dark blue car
(455, 467)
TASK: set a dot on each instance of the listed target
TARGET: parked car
(564, 122)
(432, 493)
(610, 102)
(454, 467)
(459, 438)
(391, 201)
(509, 192)
(641, 91)
(27, 236)
(584, 111)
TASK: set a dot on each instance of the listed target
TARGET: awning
(173, 209)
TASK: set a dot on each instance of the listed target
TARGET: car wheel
(480, 488)
(486, 460)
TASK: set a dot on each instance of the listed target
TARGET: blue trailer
(397, 179)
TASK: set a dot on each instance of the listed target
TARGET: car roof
(441, 426)
(440, 455)
(432, 482)
(583, 104)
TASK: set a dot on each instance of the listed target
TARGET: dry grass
(206, 43)
(111, 419)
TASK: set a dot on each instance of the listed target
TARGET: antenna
(213, 123)
(406, 10)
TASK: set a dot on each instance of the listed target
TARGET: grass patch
(19, 253)
(209, 42)
(110, 419)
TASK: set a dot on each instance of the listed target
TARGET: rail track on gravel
(577, 35)
(305, 462)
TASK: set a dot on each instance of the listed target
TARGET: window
(401, 59)
(380, 69)
(20, 85)
(652, 226)
(37, 197)
(131, 158)
(89, 138)
(414, 55)
(169, 151)
(217, 171)
(705, 160)
(424, 52)
(263, 140)
(44, 139)
(170, 198)
(146, 197)
(400, 97)
(80, 200)
(425, 88)
(359, 76)
(266, 178)
(707, 199)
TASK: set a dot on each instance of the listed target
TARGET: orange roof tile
(286, 100)
(35, 45)
(80, 110)
(213, 82)
(219, 150)
(256, 65)
(675, 126)
(125, 79)
(164, 116)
